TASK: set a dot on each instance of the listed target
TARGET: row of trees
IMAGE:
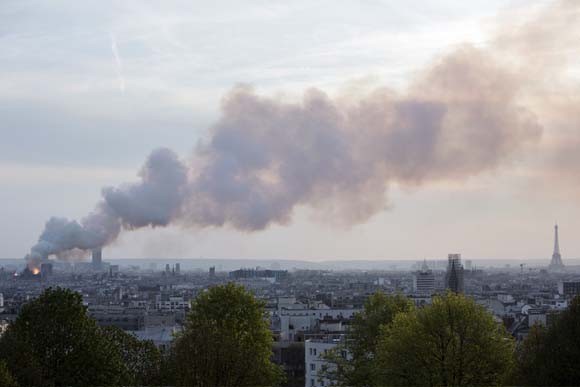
(452, 342)
(53, 342)
(226, 342)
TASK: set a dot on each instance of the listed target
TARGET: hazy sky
(88, 89)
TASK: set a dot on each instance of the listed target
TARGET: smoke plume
(463, 115)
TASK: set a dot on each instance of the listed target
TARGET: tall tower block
(97, 258)
(454, 274)
(556, 262)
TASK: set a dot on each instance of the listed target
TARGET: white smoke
(463, 115)
(154, 201)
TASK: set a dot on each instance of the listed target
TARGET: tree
(359, 369)
(549, 356)
(53, 342)
(6, 378)
(453, 342)
(141, 359)
(531, 359)
(225, 342)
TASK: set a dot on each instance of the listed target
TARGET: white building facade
(315, 362)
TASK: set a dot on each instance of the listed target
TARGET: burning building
(30, 273)
(34, 266)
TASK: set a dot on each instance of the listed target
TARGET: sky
(89, 89)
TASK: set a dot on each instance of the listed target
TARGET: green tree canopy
(453, 342)
(360, 368)
(141, 359)
(53, 343)
(6, 378)
(549, 356)
(225, 342)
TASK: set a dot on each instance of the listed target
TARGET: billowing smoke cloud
(154, 201)
(463, 115)
(265, 157)
(544, 49)
(157, 199)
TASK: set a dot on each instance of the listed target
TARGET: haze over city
(375, 130)
(289, 193)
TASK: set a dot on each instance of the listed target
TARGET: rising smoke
(462, 116)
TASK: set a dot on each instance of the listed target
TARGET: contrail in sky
(118, 63)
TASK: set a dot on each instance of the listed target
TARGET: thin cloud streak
(118, 63)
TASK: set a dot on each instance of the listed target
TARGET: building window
(314, 351)
(310, 351)
(312, 382)
(312, 367)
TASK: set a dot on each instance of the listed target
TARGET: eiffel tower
(556, 263)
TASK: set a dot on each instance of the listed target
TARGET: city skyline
(91, 91)
(289, 193)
